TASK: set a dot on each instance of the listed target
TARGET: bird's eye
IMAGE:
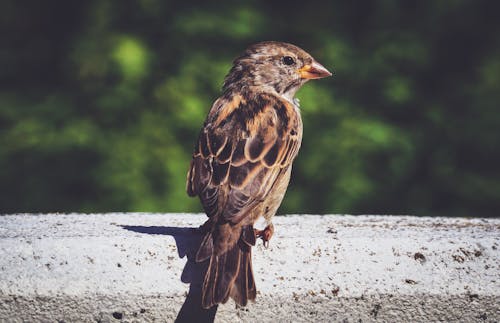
(288, 60)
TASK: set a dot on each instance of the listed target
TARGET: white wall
(107, 267)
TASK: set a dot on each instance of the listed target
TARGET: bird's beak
(313, 71)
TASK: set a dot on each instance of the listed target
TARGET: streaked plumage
(242, 161)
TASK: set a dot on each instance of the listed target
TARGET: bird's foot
(265, 234)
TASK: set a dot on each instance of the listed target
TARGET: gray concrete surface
(133, 268)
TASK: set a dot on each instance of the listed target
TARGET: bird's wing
(244, 148)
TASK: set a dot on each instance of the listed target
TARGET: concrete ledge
(132, 267)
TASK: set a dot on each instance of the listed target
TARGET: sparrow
(242, 162)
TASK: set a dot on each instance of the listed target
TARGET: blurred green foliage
(101, 102)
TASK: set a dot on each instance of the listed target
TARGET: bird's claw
(265, 235)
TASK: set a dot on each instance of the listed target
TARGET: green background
(101, 102)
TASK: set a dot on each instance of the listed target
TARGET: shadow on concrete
(187, 240)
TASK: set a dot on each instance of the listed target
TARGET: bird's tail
(229, 274)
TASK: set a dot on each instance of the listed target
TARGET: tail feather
(229, 275)
(243, 288)
(206, 248)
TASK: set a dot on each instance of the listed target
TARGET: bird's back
(247, 145)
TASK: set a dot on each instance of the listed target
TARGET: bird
(242, 160)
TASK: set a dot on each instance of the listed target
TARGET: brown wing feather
(241, 155)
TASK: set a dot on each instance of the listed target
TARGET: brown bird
(242, 162)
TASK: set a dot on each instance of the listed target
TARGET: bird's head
(273, 67)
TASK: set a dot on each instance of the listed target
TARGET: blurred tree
(101, 102)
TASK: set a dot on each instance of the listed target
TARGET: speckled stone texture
(133, 267)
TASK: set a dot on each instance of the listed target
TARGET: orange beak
(313, 71)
